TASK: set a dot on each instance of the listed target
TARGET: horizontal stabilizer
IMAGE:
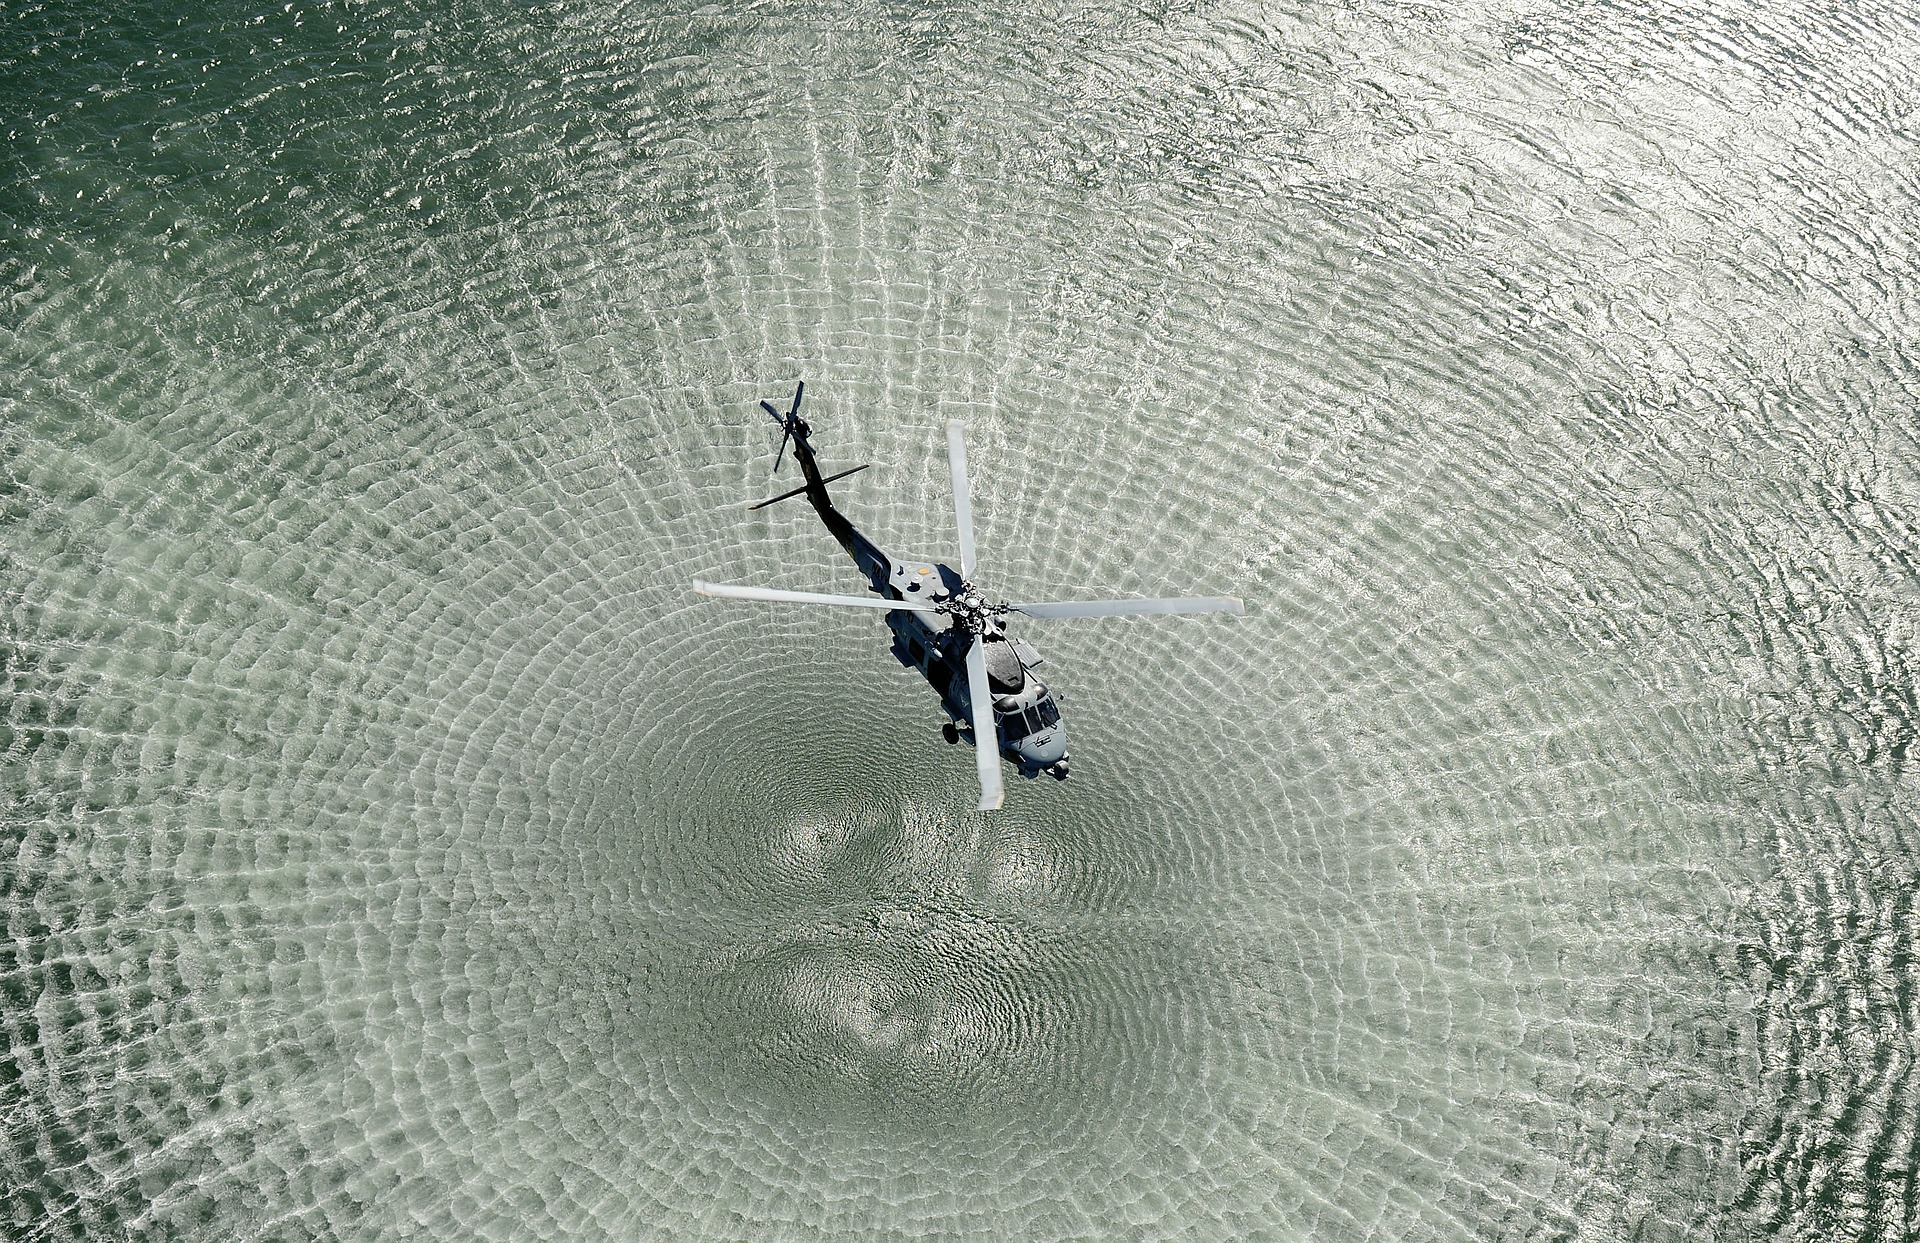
(803, 487)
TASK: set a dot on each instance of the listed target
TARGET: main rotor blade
(727, 591)
(798, 389)
(962, 502)
(986, 737)
(1132, 608)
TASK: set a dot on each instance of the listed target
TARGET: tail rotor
(789, 422)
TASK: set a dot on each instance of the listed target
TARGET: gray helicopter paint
(936, 646)
(1026, 718)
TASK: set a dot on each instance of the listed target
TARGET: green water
(394, 848)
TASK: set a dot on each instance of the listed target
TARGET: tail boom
(872, 562)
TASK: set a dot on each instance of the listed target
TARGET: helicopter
(946, 628)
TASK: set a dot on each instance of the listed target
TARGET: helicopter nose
(1044, 749)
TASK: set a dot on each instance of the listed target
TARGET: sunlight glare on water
(395, 848)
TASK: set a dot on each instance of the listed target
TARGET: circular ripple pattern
(394, 849)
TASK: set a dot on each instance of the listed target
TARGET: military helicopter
(944, 627)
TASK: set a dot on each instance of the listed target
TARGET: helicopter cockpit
(1028, 723)
(1031, 719)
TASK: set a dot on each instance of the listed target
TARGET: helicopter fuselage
(948, 629)
(1026, 715)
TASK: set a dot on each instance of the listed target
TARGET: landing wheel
(1058, 771)
(949, 732)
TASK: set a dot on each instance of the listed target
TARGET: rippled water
(395, 849)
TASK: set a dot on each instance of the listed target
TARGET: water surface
(394, 848)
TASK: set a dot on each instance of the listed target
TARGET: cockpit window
(1017, 725)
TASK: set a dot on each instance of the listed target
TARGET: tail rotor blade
(727, 591)
(986, 737)
(1132, 608)
(962, 501)
(786, 422)
(786, 432)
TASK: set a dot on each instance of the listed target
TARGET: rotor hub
(971, 610)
